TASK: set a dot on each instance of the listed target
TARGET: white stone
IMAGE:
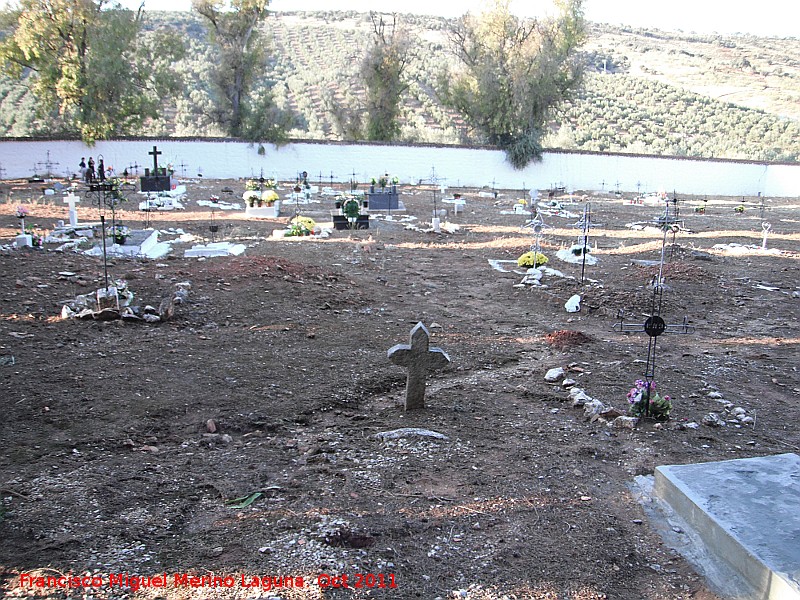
(554, 375)
(593, 408)
(573, 304)
(580, 399)
(23, 240)
(575, 391)
(567, 256)
(624, 422)
(405, 432)
(215, 249)
(568, 383)
(713, 420)
(264, 212)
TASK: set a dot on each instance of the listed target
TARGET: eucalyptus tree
(88, 64)
(513, 74)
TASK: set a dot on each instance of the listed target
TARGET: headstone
(419, 358)
(155, 181)
(72, 199)
(740, 520)
(22, 240)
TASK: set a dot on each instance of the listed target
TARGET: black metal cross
(586, 223)
(654, 325)
(47, 164)
(155, 154)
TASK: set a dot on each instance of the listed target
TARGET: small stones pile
(732, 414)
(88, 307)
(593, 409)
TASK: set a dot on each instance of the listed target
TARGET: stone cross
(71, 199)
(418, 358)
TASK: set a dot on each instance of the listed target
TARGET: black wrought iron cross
(654, 325)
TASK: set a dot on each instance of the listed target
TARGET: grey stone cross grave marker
(418, 357)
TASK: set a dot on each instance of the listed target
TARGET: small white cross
(72, 199)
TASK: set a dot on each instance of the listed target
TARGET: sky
(765, 17)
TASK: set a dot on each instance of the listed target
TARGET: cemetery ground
(134, 448)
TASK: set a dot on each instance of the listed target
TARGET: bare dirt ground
(110, 466)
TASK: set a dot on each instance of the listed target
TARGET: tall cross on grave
(419, 358)
(71, 199)
(47, 164)
(586, 223)
(155, 154)
(654, 325)
(537, 226)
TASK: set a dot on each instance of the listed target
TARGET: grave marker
(72, 199)
(419, 358)
(155, 181)
(654, 325)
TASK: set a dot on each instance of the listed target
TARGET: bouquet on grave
(22, 212)
(532, 259)
(37, 239)
(645, 401)
(120, 233)
(300, 226)
(269, 197)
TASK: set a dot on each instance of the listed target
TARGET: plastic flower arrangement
(300, 226)
(269, 197)
(532, 259)
(22, 212)
(120, 233)
(646, 402)
(351, 208)
(37, 239)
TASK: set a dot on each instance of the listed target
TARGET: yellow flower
(531, 259)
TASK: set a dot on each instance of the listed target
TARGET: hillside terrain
(646, 91)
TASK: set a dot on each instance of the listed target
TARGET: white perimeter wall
(457, 166)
